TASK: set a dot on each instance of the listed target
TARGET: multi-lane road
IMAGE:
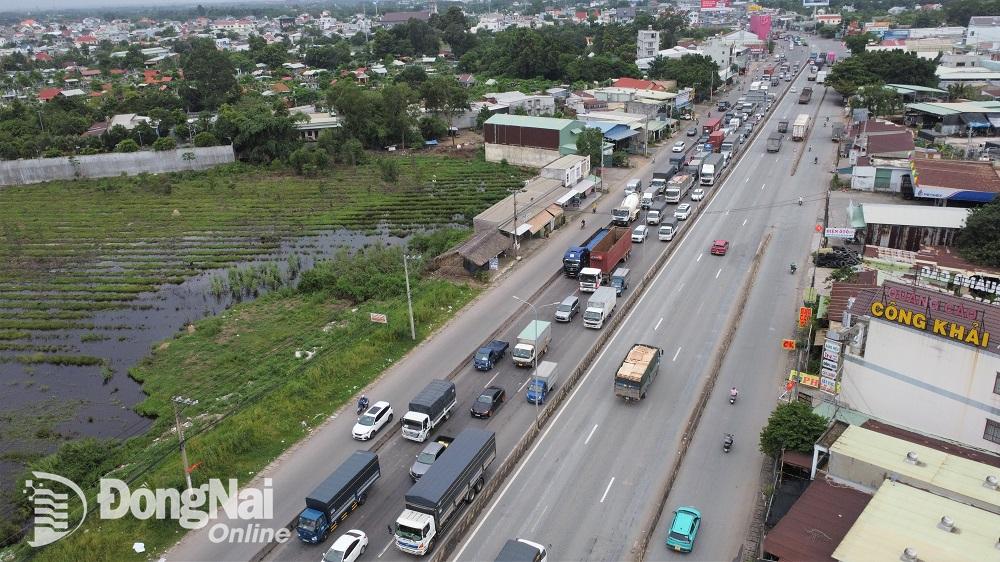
(595, 478)
(590, 484)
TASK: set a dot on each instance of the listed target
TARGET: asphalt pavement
(592, 482)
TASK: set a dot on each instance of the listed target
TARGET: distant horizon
(84, 5)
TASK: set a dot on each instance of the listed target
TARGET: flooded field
(101, 271)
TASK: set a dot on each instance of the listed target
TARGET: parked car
(697, 194)
(640, 233)
(488, 402)
(793, 90)
(720, 247)
(348, 547)
(375, 418)
(692, 131)
(678, 146)
(567, 309)
(683, 212)
(684, 529)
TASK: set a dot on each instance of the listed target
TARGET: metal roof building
(900, 517)
(867, 458)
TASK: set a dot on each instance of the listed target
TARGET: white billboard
(812, 3)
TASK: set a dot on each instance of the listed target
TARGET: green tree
(412, 75)
(884, 67)
(165, 143)
(127, 145)
(962, 91)
(273, 55)
(878, 99)
(133, 59)
(432, 128)
(979, 241)
(696, 71)
(260, 132)
(209, 76)
(793, 427)
(352, 152)
(590, 142)
(445, 96)
(205, 138)
(454, 28)
(330, 57)
(308, 160)
(857, 43)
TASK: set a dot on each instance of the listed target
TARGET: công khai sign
(919, 309)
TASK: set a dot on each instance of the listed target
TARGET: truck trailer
(774, 142)
(543, 382)
(678, 187)
(337, 496)
(532, 343)
(578, 257)
(805, 95)
(637, 371)
(656, 212)
(433, 503)
(711, 169)
(605, 257)
(430, 408)
(801, 127)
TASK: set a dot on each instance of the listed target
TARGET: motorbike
(800, 201)
(732, 398)
(792, 268)
(583, 224)
(727, 443)
(362, 406)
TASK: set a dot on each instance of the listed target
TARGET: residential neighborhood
(259, 256)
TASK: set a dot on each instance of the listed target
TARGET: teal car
(684, 529)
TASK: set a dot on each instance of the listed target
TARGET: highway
(306, 464)
(591, 484)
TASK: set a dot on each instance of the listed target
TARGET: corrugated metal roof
(912, 88)
(935, 468)
(915, 215)
(901, 517)
(529, 121)
(817, 522)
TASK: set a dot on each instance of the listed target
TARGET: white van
(634, 185)
(647, 199)
(667, 230)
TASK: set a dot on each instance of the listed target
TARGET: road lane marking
(699, 257)
(539, 518)
(591, 434)
(493, 379)
(657, 327)
(680, 287)
(677, 353)
(762, 186)
(718, 273)
(523, 385)
(385, 549)
(744, 222)
(608, 489)
(746, 180)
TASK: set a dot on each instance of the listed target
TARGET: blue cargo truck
(578, 257)
(340, 494)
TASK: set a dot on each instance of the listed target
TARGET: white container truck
(533, 342)
(800, 127)
(599, 307)
(430, 408)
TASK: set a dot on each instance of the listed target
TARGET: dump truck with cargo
(805, 95)
(543, 382)
(637, 371)
(433, 503)
(430, 408)
(711, 125)
(783, 126)
(774, 142)
(578, 257)
(678, 187)
(599, 307)
(627, 211)
(605, 257)
(532, 343)
(489, 355)
(337, 496)
(838, 132)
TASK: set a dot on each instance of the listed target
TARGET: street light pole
(409, 300)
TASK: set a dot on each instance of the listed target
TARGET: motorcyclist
(583, 223)
(815, 159)
(800, 201)
(792, 267)
(733, 393)
(362, 403)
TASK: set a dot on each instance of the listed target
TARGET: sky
(41, 5)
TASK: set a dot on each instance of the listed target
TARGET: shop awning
(565, 199)
(621, 134)
(538, 222)
(994, 119)
(976, 120)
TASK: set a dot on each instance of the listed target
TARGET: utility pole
(180, 434)
(409, 301)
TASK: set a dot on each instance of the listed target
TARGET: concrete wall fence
(18, 172)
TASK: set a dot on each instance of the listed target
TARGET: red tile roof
(872, 127)
(280, 88)
(45, 94)
(637, 84)
(890, 143)
(43, 56)
(817, 523)
(957, 174)
(842, 292)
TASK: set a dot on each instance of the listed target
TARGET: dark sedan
(488, 402)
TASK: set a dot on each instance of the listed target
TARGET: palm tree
(961, 91)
